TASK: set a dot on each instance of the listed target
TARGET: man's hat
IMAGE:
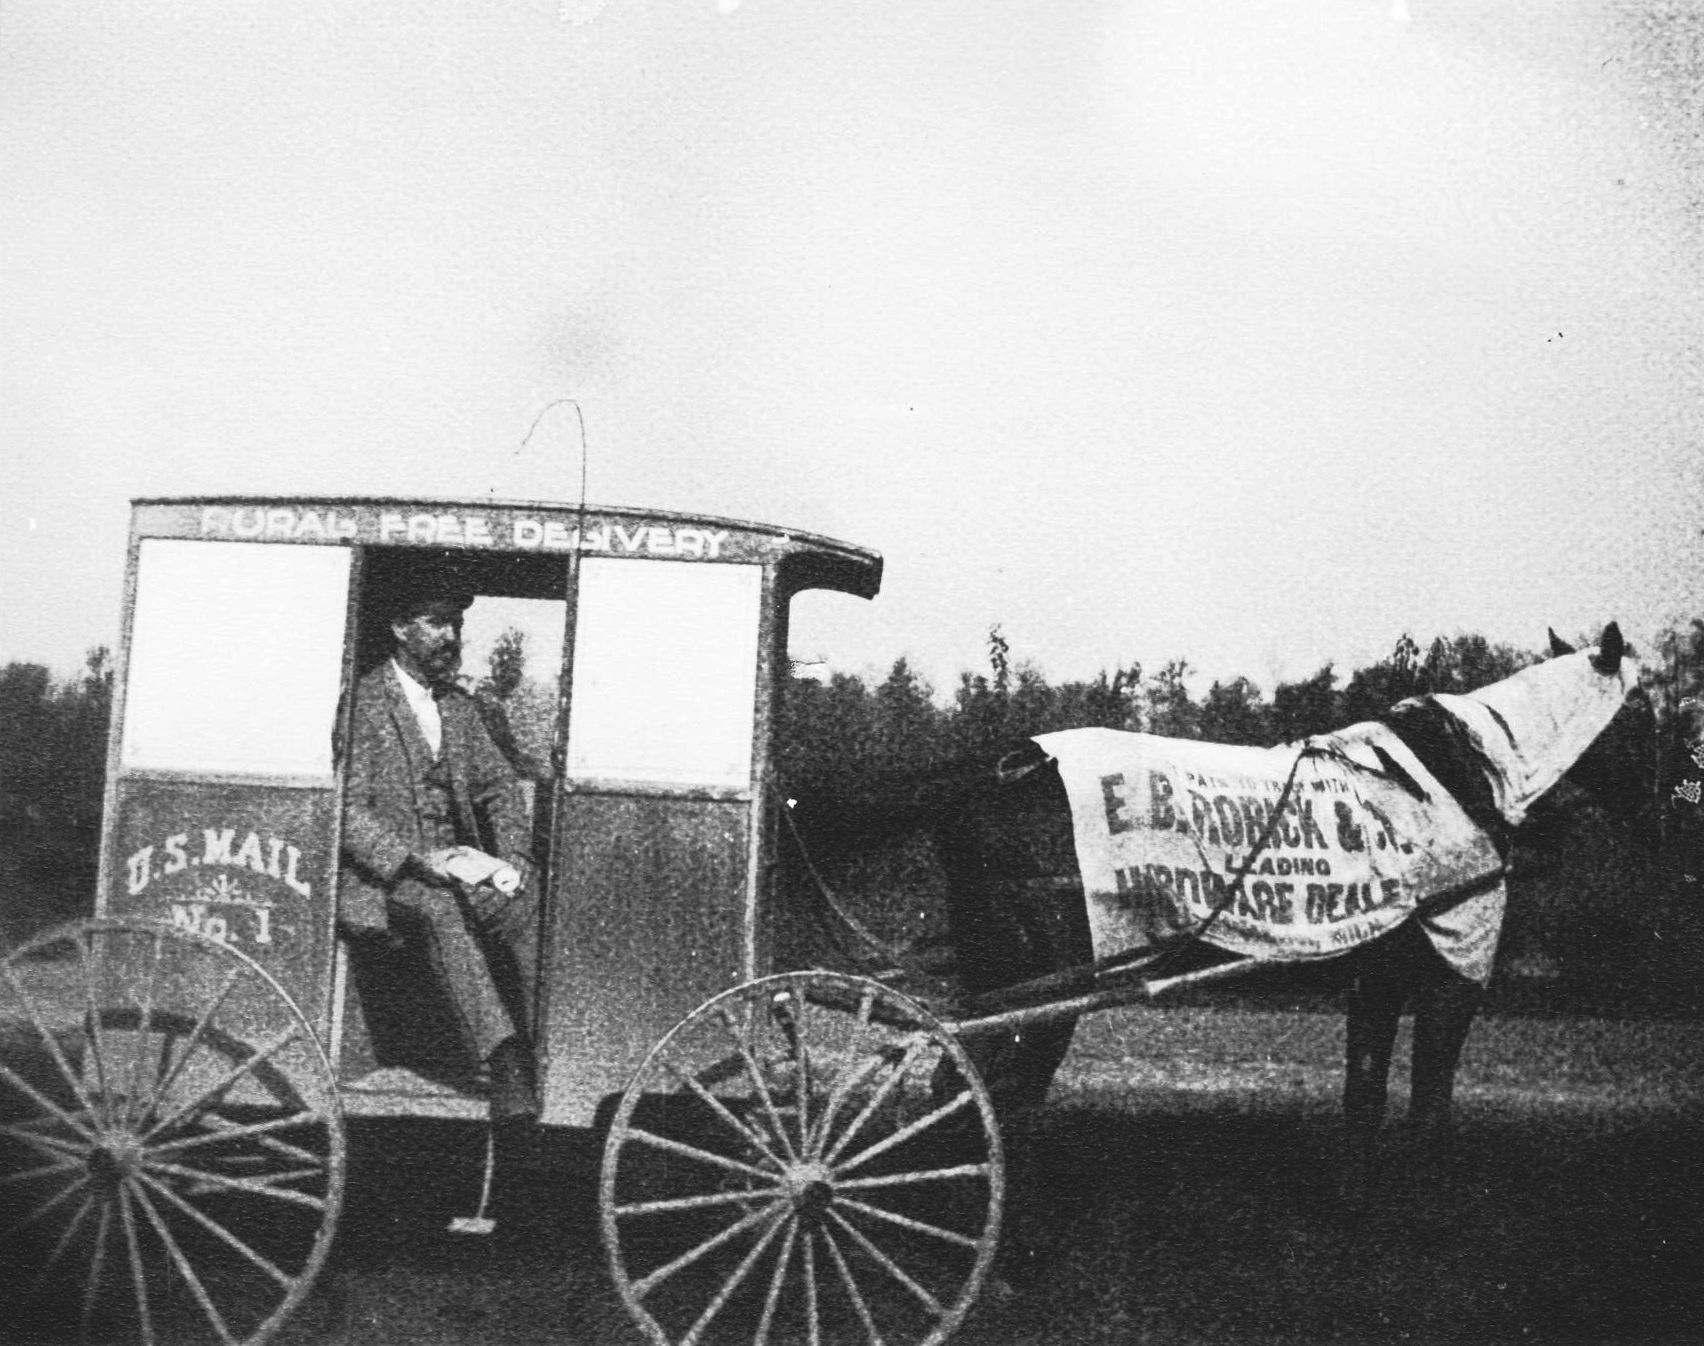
(421, 587)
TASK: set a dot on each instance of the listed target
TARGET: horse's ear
(1558, 646)
(1610, 649)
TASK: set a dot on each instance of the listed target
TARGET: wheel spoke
(705, 1202)
(64, 1241)
(837, 1099)
(97, 1043)
(813, 1310)
(284, 1150)
(686, 1259)
(280, 1178)
(62, 1163)
(720, 1109)
(185, 1270)
(720, 1072)
(888, 1085)
(63, 1195)
(922, 1175)
(29, 1127)
(905, 1133)
(138, 1274)
(191, 1042)
(257, 1160)
(847, 1083)
(869, 1074)
(42, 1101)
(906, 1222)
(888, 1265)
(719, 1301)
(144, 1027)
(861, 1020)
(227, 1130)
(859, 1306)
(235, 1073)
(97, 1267)
(754, 1073)
(218, 1230)
(72, 1077)
(153, 1180)
(253, 1186)
(693, 1152)
(777, 1279)
(791, 1008)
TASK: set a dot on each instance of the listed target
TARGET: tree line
(53, 745)
(847, 735)
(847, 729)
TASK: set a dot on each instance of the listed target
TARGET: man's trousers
(483, 947)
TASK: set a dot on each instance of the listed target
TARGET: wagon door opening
(400, 1047)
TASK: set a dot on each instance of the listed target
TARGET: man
(423, 779)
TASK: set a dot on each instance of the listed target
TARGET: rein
(1235, 886)
(1438, 739)
(885, 949)
(901, 957)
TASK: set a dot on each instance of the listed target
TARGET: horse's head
(1618, 768)
(1550, 720)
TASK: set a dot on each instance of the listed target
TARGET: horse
(1500, 752)
(1447, 778)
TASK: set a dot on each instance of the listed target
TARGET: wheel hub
(113, 1159)
(810, 1188)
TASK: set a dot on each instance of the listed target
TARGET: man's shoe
(513, 1097)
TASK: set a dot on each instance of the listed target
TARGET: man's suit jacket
(388, 759)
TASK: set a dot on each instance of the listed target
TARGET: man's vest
(437, 805)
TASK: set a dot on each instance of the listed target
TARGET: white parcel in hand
(474, 867)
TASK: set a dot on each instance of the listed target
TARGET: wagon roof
(831, 563)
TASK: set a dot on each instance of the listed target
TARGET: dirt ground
(1176, 1190)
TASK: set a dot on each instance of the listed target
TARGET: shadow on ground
(1178, 1220)
(1153, 1216)
(1209, 1222)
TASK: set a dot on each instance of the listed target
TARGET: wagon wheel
(811, 1157)
(171, 1145)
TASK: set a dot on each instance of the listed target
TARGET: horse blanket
(1283, 853)
(1310, 849)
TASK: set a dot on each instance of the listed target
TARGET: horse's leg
(1005, 929)
(1010, 923)
(1376, 995)
(1442, 1017)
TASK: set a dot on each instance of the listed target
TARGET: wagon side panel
(221, 813)
(647, 927)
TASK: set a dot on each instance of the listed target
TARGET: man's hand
(434, 866)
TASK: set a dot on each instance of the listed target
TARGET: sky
(1253, 332)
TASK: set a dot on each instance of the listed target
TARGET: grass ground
(1180, 1189)
(1177, 1190)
